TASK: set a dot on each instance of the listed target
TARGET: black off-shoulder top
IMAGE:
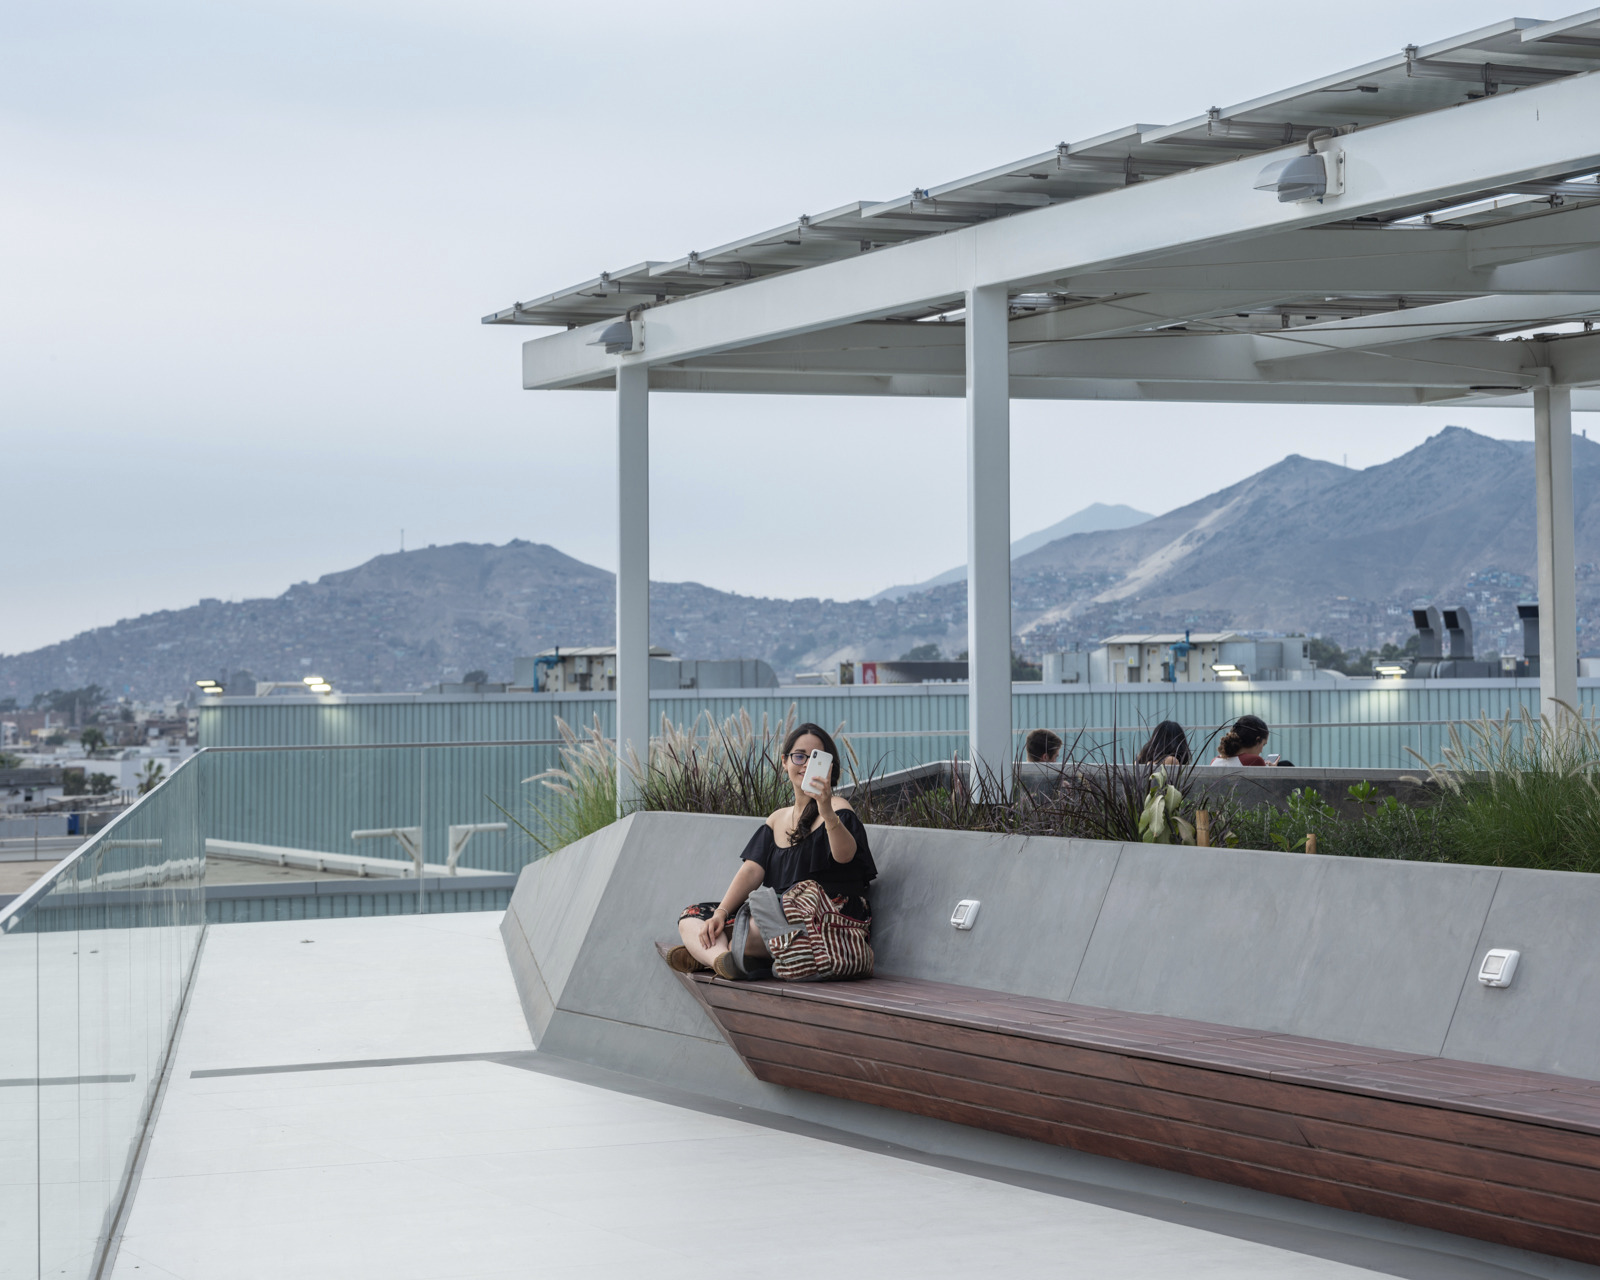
(811, 859)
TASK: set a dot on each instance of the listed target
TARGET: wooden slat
(1442, 1217)
(1324, 1102)
(1351, 1171)
(1484, 1151)
(1400, 1149)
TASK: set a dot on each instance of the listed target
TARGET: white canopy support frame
(460, 833)
(1454, 259)
(410, 839)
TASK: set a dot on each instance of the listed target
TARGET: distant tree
(1327, 655)
(1022, 669)
(101, 784)
(73, 783)
(9, 761)
(64, 700)
(475, 677)
(150, 776)
(93, 740)
(921, 653)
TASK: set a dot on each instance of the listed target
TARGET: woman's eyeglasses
(799, 757)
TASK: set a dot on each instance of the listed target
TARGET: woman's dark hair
(1247, 732)
(808, 815)
(1040, 745)
(1169, 739)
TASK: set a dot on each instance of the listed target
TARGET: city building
(1196, 657)
(593, 669)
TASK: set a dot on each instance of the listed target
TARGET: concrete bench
(1504, 1155)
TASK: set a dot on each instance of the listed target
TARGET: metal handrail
(391, 746)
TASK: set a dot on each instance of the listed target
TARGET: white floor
(479, 1169)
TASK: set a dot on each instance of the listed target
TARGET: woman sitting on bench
(798, 905)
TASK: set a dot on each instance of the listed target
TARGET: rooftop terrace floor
(359, 1097)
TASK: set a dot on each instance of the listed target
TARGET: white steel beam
(988, 533)
(1558, 611)
(1552, 252)
(935, 350)
(1112, 316)
(1538, 132)
(1464, 316)
(953, 386)
(633, 574)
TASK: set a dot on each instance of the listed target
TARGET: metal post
(989, 532)
(1558, 610)
(633, 573)
(422, 833)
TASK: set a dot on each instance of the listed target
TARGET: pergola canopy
(1144, 264)
(1440, 245)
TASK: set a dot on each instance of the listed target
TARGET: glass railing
(95, 960)
(383, 802)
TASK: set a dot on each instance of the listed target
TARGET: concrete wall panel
(1548, 1019)
(557, 896)
(1039, 897)
(668, 861)
(1345, 949)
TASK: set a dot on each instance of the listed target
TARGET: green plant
(728, 768)
(1523, 792)
(731, 768)
(101, 784)
(9, 761)
(1090, 793)
(93, 740)
(584, 787)
(150, 776)
(1158, 820)
(1363, 793)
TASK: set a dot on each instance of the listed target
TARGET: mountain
(1092, 518)
(1300, 546)
(406, 620)
(1307, 545)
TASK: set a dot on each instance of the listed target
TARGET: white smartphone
(817, 772)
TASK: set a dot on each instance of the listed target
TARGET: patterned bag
(828, 944)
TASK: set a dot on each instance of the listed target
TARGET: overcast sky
(244, 248)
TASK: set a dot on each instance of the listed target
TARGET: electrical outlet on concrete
(1498, 966)
(966, 913)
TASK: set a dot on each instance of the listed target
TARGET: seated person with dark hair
(1168, 746)
(1042, 747)
(1242, 744)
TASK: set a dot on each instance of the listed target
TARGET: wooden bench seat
(1503, 1155)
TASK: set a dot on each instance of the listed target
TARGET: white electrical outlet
(1498, 966)
(965, 914)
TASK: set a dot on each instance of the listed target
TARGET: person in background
(1042, 747)
(1242, 744)
(1168, 746)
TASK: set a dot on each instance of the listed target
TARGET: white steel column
(1558, 606)
(989, 531)
(633, 572)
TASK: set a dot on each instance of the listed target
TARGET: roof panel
(1503, 56)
